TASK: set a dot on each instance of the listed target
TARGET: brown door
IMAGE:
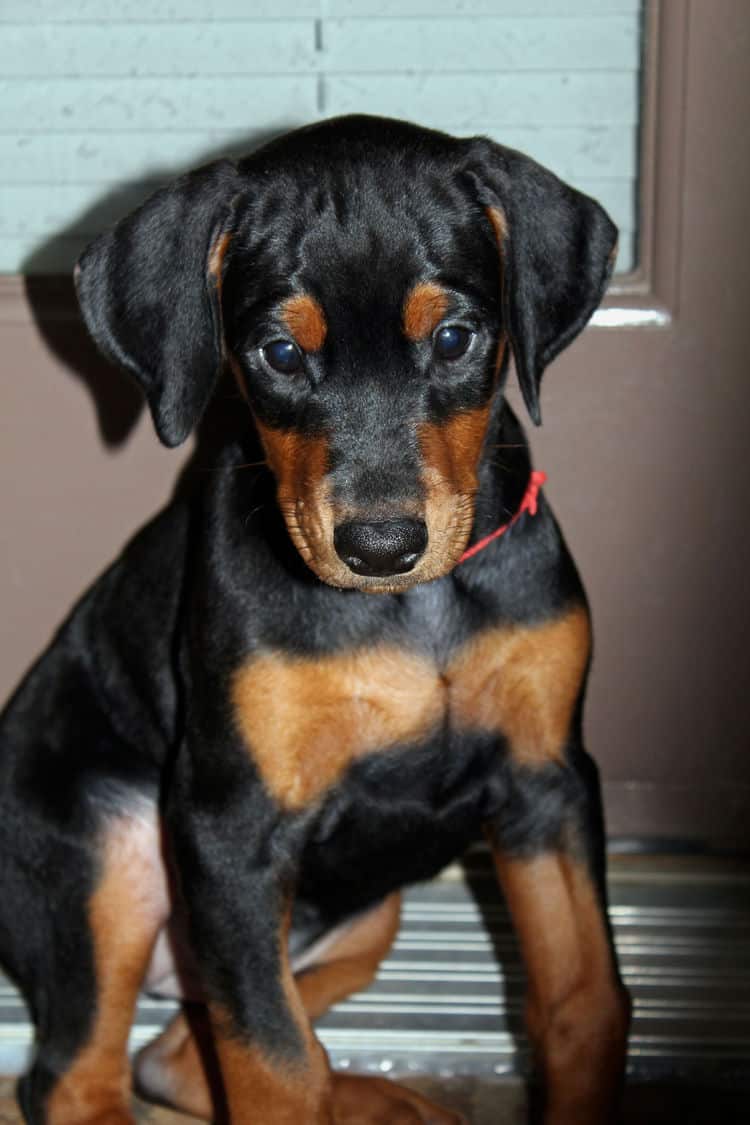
(644, 444)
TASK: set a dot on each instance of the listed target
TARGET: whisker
(253, 512)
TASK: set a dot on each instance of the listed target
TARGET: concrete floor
(504, 1103)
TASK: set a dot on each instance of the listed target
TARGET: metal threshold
(448, 999)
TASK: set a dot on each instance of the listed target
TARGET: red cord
(528, 504)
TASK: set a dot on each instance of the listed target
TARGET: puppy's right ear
(149, 292)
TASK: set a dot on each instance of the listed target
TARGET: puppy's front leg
(548, 851)
(525, 684)
(235, 856)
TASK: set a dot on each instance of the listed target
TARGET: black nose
(389, 547)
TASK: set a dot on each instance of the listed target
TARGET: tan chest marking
(523, 683)
(305, 720)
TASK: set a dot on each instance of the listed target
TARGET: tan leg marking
(577, 1014)
(350, 963)
(258, 1087)
(524, 683)
(376, 1101)
(305, 720)
(125, 913)
(350, 966)
(172, 1068)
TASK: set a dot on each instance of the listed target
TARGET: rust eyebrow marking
(304, 720)
(306, 321)
(524, 682)
(424, 308)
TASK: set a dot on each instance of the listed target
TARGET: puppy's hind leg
(99, 924)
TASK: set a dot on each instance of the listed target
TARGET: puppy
(231, 737)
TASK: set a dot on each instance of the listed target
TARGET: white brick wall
(100, 100)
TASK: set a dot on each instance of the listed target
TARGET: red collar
(528, 504)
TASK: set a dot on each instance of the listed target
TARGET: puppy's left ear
(557, 248)
(150, 297)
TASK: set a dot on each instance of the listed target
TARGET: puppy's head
(366, 280)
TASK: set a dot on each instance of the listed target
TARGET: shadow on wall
(117, 399)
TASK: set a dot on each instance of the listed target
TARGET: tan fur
(577, 1014)
(305, 720)
(499, 224)
(216, 256)
(300, 464)
(259, 1088)
(524, 683)
(306, 321)
(451, 452)
(350, 961)
(174, 1071)
(424, 308)
(125, 913)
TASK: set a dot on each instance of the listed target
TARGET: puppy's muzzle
(381, 549)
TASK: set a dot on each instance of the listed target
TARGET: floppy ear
(557, 248)
(150, 299)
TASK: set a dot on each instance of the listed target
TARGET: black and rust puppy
(230, 726)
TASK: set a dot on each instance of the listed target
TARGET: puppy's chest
(306, 719)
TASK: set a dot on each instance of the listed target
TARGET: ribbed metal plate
(448, 999)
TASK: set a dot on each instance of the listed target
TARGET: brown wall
(645, 443)
(69, 496)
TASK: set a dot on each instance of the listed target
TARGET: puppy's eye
(452, 341)
(283, 356)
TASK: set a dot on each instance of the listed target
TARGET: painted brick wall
(101, 100)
